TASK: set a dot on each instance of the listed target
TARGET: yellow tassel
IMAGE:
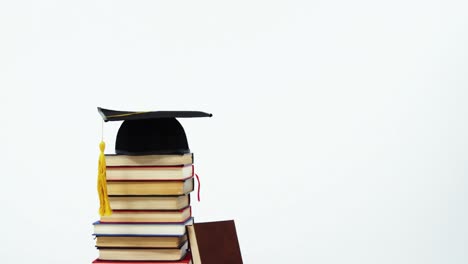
(104, 209)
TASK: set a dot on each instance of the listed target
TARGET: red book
(214, 243)
(186, 260)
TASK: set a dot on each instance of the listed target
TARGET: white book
(141, 229)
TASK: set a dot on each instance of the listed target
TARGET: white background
(339, 132)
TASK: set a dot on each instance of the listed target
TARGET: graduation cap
(143, 133)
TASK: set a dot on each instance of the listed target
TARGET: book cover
(172, 187)
(186, 260)
(148, 173)
(149, 160)
(214, 243)
(143, 254)
(149, 202)
(140, 242)
(143, 229)
(148, 216)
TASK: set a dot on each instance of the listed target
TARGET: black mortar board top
(150, 132)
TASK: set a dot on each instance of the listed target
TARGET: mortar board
(150, 133)
(143, 133)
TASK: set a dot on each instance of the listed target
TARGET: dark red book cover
(214, 243)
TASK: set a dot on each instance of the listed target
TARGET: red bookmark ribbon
(198, 182)
(198, 192)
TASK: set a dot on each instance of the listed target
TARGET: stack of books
(150, 199)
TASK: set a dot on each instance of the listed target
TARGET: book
(214, 243)
(149, 187)
(149, 202)
(143, 254)
(140, 241)
(148, 216)
(186, 260)
(125, 173)
(149, 160)
(147, 229)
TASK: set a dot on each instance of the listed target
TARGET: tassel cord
(104, 205)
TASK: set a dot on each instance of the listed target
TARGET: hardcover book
(150, 229)
(128, 173)
(148, 216)
(143, 254)
(214, 243)
(149, 187)
(186, 260)
(140, 242)
(149, 202)
(149, 160)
